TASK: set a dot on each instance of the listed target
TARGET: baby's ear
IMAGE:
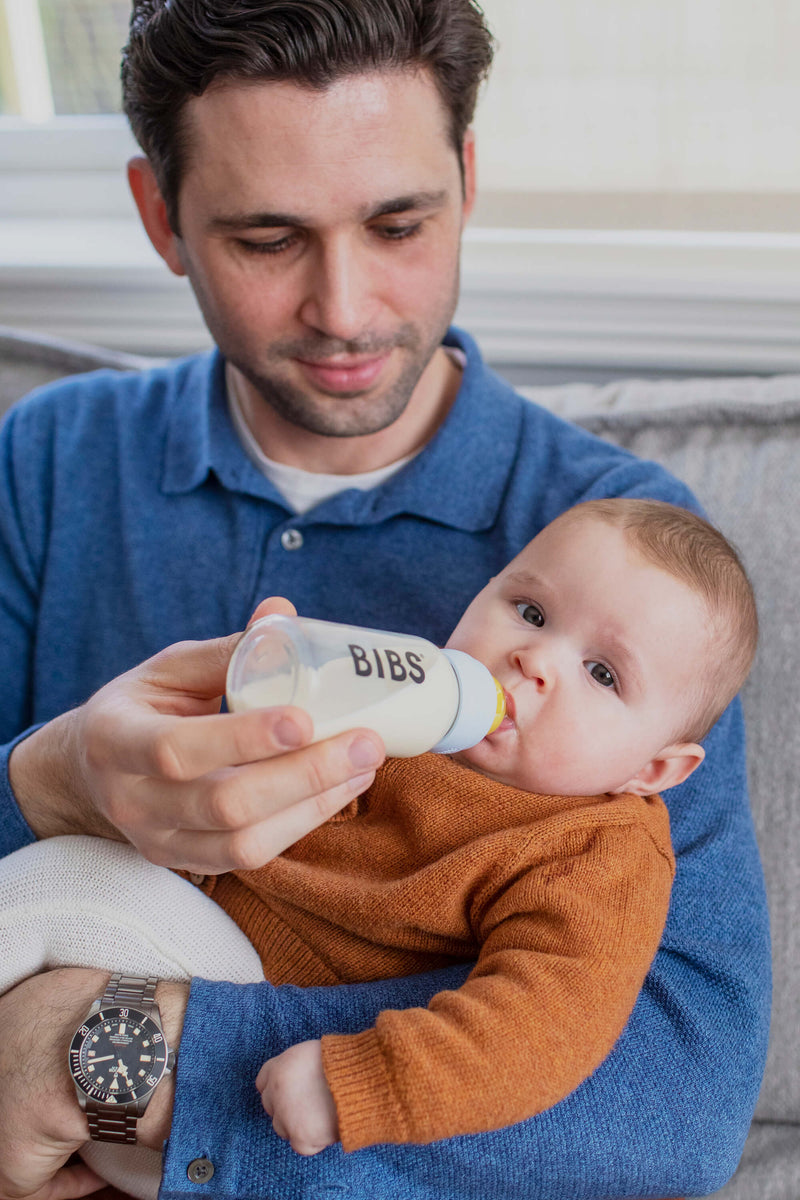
(669, 768)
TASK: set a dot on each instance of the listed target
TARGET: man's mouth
(346, 373)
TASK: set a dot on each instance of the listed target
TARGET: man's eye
(276, 247)
(531, 613)
(601, 674)
(398, 233)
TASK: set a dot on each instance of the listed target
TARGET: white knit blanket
(80, 901)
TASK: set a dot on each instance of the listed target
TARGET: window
(61, 56)
(63, 140)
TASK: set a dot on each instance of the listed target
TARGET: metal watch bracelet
(106, 1124)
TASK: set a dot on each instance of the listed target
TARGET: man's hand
(41, 1123)
(151, 760)
(296, 1095)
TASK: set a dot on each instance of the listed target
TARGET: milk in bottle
(416, 696)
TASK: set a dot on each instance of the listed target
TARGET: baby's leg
(80, 901)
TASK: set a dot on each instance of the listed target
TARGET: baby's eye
(601, 674)
(531, 613)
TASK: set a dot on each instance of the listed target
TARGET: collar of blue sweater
(473, 450)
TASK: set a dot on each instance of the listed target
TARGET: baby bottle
(416, 696)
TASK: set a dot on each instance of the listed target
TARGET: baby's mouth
(509, 720)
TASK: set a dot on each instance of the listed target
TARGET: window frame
(89, 151)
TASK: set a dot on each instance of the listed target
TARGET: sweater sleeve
(566, 945)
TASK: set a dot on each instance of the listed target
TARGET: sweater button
(291, 539)
(200, 1170)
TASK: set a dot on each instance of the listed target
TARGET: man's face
(320, 232)
(599, 653)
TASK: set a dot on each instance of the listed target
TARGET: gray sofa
(736, 442)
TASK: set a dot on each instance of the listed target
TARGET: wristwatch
(118, 1057)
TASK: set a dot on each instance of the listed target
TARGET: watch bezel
(114, 1012)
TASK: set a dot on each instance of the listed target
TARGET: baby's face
(599, 653)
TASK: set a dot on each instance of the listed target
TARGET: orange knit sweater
(561, 900)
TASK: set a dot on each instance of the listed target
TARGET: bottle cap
(481, 704)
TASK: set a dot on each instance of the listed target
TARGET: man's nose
(339, 298)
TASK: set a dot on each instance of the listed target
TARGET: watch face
(118, 1055)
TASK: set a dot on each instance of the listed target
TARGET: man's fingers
(181, 749)
(248, 794)
(236, 798)
(247, 849)
(198, 668)
(67, 1183)
(70, 1183)
(263, 842)
(191, 747)
(272, 605)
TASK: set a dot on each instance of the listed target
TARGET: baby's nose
(535, 668)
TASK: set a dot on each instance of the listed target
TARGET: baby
(619, 635)
(542, 854)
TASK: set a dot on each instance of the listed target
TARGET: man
(309, 167)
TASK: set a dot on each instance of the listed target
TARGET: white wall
(665, 96)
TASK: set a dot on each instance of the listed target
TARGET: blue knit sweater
(130, 518)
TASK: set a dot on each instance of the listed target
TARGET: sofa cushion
(29, 360)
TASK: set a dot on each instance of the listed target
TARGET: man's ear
(669, 768)
(468, 159)
(153, 211)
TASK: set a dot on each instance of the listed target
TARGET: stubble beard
(343, 414)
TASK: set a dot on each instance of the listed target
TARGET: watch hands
(123, 1070)
(105, 1058)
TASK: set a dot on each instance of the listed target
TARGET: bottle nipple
(501, 707)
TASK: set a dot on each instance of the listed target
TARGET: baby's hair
(689, 548)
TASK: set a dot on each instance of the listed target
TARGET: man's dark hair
(177, 48)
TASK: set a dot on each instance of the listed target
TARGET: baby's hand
(296, 1095)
